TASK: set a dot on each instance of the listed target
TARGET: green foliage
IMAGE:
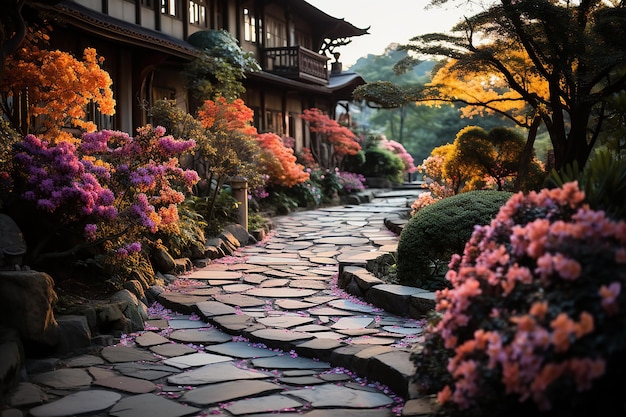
(562, 60)
(389, 105)
(220, 67)
(380, 163)
(120, 270)
(283, 203)
(257, 222)
(225, 212)
(440, 230)
(327, 181)
(603, 180)
(180, 124)
(479, 154)
(188, 237)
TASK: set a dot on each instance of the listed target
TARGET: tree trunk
(524, 162)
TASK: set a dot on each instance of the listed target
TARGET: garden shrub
(603, 179)
(106, 196)
(440, 230)
(534, 322)
(382, 163)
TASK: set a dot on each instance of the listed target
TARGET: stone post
(239, 185)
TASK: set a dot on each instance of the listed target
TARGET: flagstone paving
(265, 331)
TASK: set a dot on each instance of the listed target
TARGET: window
(249, 26)
(276, 34)
(274, 122)
(170, 7)
(103, 121)
(197, 13)
(302, 39)
(147, 3)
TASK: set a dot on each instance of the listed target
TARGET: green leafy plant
(381, 163)
(257, 222)
(603, 180)
(220, 67)
(440, 230)
(189, 236)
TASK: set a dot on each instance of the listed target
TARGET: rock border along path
(271, 329)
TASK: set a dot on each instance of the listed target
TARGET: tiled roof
(79, 16)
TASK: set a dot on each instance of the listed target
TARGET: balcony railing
(296, 63)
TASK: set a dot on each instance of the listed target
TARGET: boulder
(75, 334)
(212, 250)
(162, 260)
(230, 240)
(153, 293)
(111, 319)
(26, 300)
(134, 310)
(136, 287)
(241, 234)
(183, 265)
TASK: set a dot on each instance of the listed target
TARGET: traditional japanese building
(145, 46)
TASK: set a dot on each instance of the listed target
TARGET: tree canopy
(388, 105)
(549, 61)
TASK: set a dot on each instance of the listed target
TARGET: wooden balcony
(296, 63)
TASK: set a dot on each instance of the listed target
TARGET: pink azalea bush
(111, 188)
(398, 149)
(534, 322)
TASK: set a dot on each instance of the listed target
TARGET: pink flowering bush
(422, 200)
(398, 149)
(534, 322)
(111, 189)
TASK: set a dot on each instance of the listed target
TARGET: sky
(390, 20)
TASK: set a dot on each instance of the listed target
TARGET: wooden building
(145, 49)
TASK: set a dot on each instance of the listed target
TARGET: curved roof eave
(337, 83)
(337, 28)
(120, 30)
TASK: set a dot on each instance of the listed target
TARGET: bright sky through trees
(390, 21)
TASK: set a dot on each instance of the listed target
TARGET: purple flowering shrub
(350, 182)
(534, 321)
(110, 189)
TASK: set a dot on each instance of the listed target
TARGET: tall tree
(561, 61)
(391, 108)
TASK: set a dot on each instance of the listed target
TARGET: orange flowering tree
(53, 88)
(534, 321)
(332, 142)
(230, 149)
(279, 163)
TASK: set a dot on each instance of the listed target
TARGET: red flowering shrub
(279, 162)
(333, 141)
(534, 322)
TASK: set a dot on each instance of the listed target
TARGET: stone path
(267, 331)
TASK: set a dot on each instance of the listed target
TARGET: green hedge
(376, 162)
(440, 230)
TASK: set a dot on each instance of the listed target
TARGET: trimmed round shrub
(533, 324)
(382, 163)
(440, 230)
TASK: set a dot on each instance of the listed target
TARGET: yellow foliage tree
(564, 59)
(488, 92)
